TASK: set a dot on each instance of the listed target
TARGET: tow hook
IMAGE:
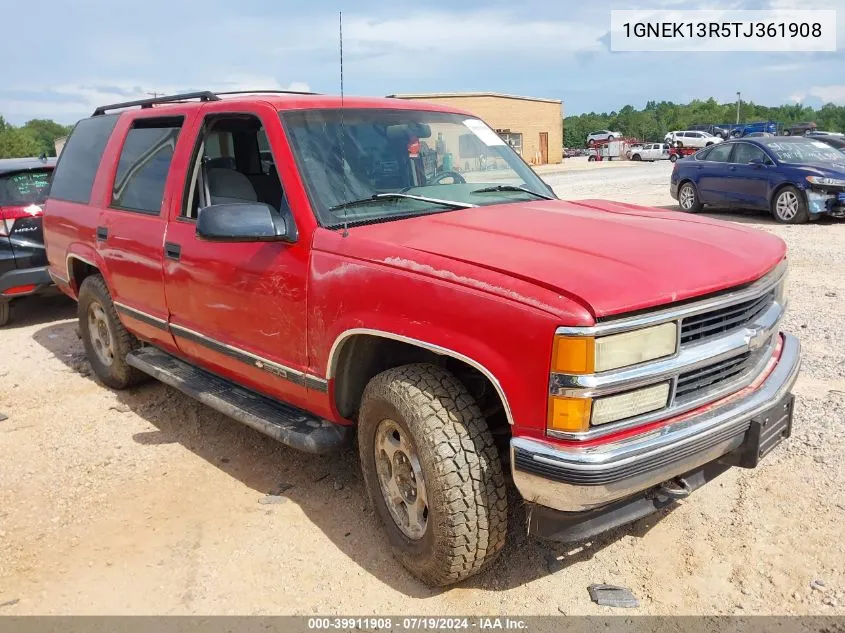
(676, 488)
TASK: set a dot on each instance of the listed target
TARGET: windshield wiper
(396, 196)
(512, 188)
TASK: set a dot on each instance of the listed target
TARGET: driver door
(238, 308)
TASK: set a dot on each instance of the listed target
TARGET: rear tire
(106, 340)
(673, 158)
(424, 443)
(5, 312)
(688, 198)
(636, 157)
(790, 207)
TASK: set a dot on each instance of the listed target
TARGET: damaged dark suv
(24, 185)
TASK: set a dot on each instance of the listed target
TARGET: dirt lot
(147, 502)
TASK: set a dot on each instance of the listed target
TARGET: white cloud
(74, 101)
(829, 94)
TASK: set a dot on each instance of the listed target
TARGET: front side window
(745, 153)
(144, 164)
(369, 164)
(233, 164)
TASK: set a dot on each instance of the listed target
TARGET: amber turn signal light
(569, 415)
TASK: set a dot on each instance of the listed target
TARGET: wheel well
(780, 188)
(79, 270)
(363, 356)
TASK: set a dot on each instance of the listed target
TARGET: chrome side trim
(717, 430)
(331, 366)
(74, 256)
(283, 371)
(759, 287)
(56, 277)
(140, 314)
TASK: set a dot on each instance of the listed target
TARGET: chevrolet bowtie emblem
(756, 339)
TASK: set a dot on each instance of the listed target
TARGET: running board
(294, 427)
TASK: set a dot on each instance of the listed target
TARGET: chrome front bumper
(578, 478)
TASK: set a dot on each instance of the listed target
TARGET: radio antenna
(342, 130)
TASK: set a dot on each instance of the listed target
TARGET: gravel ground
(146, 502)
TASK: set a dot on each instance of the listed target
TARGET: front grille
(701, 327)
(691, 383)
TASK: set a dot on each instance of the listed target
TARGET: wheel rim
(687, 197)
(401, 479)
(787, 205)
(100, 334)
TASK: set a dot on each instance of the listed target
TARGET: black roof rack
(203, 95)
(283, 92)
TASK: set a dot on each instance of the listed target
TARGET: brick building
(530, 125)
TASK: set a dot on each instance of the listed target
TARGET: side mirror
(244, 222)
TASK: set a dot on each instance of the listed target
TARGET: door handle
(172, 251)
(102, 233)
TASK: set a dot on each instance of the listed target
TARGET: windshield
(804, 151)
(429, 156)
(24, 187)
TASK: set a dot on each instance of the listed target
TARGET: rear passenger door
(238, 308)
(713, 174)
(131, 226)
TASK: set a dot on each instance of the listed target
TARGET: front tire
(790, 206)
(636, 157)
(105, 339)
(688, 198)
(432, 472)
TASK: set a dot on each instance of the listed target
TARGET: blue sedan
(797, 179)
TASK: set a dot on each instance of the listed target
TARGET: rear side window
(74, 175)
(144, 164)
(719, 153)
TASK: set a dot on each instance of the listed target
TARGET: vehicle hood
(611, 257)
(827, 170)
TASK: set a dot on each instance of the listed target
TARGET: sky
(67, 57)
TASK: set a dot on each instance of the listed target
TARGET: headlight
(575, 415)
(627, 405)
(830, 182)
(587, 355)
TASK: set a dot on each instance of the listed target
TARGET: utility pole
(738, 102)
(156, 95)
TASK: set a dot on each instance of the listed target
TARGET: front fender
(508, 341)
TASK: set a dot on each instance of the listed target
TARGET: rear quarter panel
(70, 231)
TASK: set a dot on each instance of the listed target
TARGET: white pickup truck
(649, 151)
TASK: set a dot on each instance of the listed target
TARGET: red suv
(321, 269)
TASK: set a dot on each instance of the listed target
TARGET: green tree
(652, 122)
(16, 142)
(45, 132)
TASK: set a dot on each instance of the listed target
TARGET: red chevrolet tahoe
(321, 269)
